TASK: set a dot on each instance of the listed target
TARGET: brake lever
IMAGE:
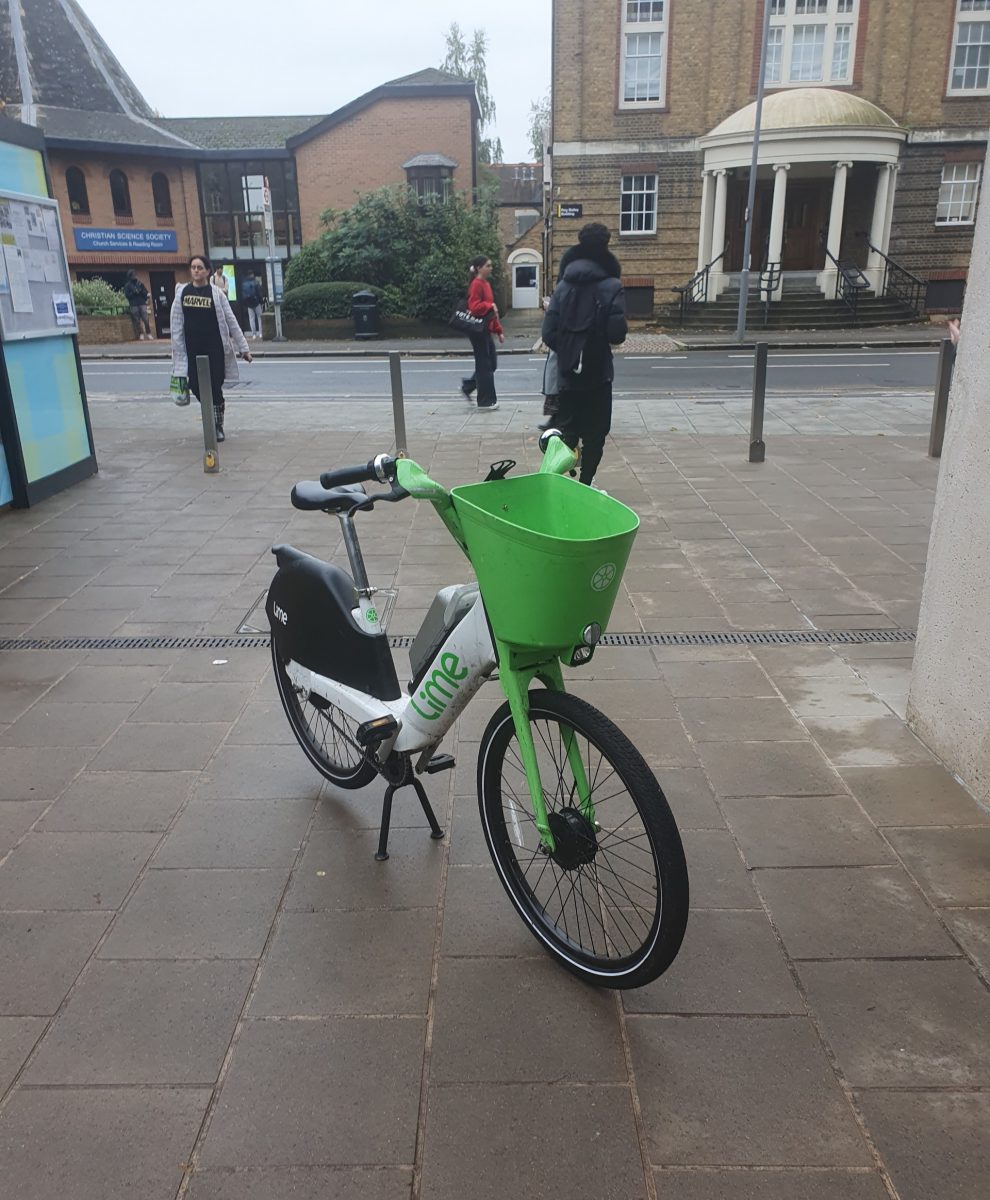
(367, 503)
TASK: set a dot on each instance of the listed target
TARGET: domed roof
(806, 108)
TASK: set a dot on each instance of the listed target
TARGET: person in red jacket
(481, 303)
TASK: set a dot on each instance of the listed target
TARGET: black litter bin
(364, 310)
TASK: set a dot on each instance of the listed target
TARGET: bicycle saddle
(311, 496)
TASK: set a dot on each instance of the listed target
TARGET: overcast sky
(216, 58)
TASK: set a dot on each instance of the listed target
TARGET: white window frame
(968, 12)
(830, 15)
(972, 176)
(522, 214)
(632, 28)
(634, 190)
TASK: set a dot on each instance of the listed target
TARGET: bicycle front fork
(516, 673)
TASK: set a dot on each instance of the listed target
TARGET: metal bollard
(398, 405)
(211, 455)
(757, 447)
(943, 382)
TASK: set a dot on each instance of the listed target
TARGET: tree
(418, 253)
(539, 126)
(468, 62)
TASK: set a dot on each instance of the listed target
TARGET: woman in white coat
(203, 323)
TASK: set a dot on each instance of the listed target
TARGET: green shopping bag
(179, 387)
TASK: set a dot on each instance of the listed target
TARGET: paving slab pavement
(210, 989)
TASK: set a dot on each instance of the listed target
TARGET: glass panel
(974, 6)
(775, 55)
(120, 194)
(840, 52)
(161, 194)
(807, 53)
(971, 66)
(75, 185)
(274, 172)
(638, 204)
(643, 66)
(250, 232)
(958, 193)
(804, 8)
(291, 193)
(844, 6)
(219, 236)
(778, 8)
(644, 10)
(213, 183)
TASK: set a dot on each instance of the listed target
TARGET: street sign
(570, 210)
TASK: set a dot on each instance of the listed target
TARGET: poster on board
(35, 269)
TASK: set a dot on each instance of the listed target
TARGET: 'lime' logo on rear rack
(603, 577)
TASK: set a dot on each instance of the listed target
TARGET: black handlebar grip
(344, 475)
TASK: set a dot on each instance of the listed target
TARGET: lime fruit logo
(603, 577)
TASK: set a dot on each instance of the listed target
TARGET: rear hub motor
(574, 838)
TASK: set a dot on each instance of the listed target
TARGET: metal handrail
(849, 282)
(769, 279)
(695, 291)
(898, 281)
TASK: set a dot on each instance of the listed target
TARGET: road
(858, 371)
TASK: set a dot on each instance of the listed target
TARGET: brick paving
(210, 989)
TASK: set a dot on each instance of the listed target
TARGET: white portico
(827, 170)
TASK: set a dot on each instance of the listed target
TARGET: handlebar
(380, 469)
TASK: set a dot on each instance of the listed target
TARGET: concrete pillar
(775, 248)
(705, 232)
(828, 275)
(878, 226)
(947, 706)
(718, 232)
(891, 192)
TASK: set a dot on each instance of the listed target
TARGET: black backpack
(581, 329)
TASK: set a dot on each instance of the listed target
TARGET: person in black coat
(585, 318)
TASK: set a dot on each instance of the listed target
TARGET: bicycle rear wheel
(326, 733)
(611, 901)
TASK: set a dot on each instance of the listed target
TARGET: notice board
(35, 291)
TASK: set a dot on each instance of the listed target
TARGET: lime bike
(578, 828)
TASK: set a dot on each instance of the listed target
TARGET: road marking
(772, 366)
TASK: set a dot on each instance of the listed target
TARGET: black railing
(898, 281)
(769, 282)
(695, 291)
(850, 282)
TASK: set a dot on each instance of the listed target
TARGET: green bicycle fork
(516, 672)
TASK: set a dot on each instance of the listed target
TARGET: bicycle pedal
(439, 762)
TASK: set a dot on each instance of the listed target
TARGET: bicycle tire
(608, 951)
(342, 761)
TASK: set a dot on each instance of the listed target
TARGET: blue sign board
(127, 241)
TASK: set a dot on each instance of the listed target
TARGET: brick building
(140, 191)
(521, 228)
(873, 137)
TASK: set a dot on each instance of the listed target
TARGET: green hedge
(96, 298)
(326, 301)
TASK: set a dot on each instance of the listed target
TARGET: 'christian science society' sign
(127, 241)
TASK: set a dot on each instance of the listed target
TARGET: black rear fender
(309, 610)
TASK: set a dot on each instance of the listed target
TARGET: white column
(891, 190)
(776, 245)
(705, 232)
(718, 233)
(874, 264)
(827, 277)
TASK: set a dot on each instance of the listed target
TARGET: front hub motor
(574, 838)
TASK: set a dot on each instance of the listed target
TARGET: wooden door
(804, 216)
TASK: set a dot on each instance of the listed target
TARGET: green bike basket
(549, 553)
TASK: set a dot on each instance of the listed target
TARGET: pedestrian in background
(481, 303)
(137, 299)
(585, 318)
(220, 280)
(203, 323)
(253, 299)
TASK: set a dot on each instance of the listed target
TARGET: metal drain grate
(760, 637)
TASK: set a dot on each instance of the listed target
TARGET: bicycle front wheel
(326, 733)
(610, 902)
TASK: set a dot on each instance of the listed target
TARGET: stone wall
(947, 707)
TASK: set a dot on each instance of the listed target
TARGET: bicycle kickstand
(435, 831)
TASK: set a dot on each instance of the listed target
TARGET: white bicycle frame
(461, 665)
